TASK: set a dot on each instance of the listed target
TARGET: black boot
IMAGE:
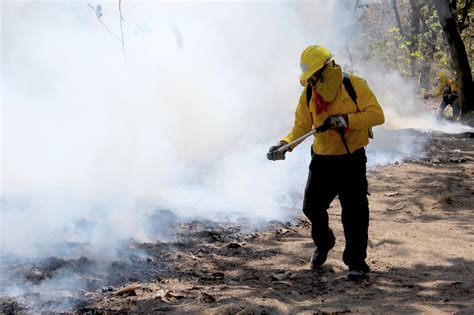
(320, 255)
(358, 272)
(319, 258)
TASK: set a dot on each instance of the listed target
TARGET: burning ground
(420, 253)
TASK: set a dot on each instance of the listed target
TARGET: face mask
(329, 83)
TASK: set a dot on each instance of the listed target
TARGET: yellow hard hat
(313, 58)
(441, 75)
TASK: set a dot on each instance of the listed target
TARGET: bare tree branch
(98, 14)
(121, 26)
(397, 16)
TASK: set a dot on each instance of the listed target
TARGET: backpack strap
(350, 89)
(352, 93)
(309, 93)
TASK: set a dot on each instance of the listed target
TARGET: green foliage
(419, 48)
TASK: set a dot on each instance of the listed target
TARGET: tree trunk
(397, 16)
(458, 55)
(414, 32)
(430, 48)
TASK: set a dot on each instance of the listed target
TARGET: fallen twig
(128, 289)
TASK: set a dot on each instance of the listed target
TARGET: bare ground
(421, 255)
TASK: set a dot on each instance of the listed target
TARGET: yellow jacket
(444, 82)
(330, 142)
(454, 87)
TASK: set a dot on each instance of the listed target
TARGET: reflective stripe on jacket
(330, 142)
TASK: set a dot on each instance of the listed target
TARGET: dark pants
(454, 102)
(343, 176)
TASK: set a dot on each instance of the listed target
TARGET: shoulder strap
(352, 93)
(309, 93)
(349, 88)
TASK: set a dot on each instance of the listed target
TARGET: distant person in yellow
(343, 109)
(449, 92)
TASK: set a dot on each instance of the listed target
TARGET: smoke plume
(95, 140)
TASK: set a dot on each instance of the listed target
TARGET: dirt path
(421, 255)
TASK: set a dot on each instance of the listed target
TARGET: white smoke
(181, 123)
(403, 110)
(94, 143)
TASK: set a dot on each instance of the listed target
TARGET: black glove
(273, 153)
(336, 122)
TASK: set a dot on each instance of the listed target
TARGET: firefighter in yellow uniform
(338, 164)
(449, 92)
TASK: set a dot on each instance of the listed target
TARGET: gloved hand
(273, 153)
(337, 121)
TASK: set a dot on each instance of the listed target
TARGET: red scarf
(321, 104)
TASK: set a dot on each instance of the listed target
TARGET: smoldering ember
(226, 157)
